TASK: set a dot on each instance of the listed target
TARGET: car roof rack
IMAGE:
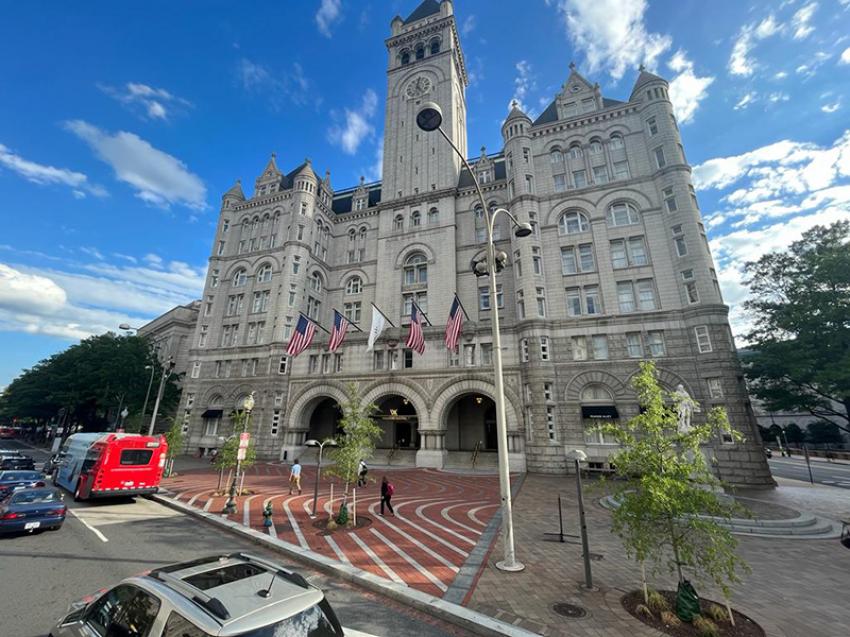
(291, 576)
(212, 604)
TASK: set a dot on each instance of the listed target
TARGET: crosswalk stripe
(386, 569)
(296, 529)
(424, 571)
(340, 555)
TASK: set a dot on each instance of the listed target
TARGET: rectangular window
(517, 263)
(586, 261)
(703, 339)
(560, 182)
(220, 248)
(626, 296)
(536, 260)
(655, 343)
(245, 365)
(621, 170)
(484, 297)
(287, 328)
(283, 365)
(481, 235)
(544, 348)
(580, 178)
(573, 302)
(252, 334)
(278, 399)
(234, 339)
(352, 311)
(313, 364)
(275, 422)
(208, 307)
(211, 426)
(619, 258)
(314, 306)
(670, 200)
(652, 126)
(326, 363)
(693, 196)
(196, 369)
(214, 279)
(378, 360)
(568, 261)
(337, 362)
(529, 184)
(486, 354)
(217, 373)
(292, 293)
(541, 302)
(646, 294)
(523, 350)
(261, 332)
(588, 105)
(407, 359)
(228, 366)
(202, 336)
(469, 355)
(637, 251)
(715, 388)
(660, 161)
(261, 301)
(520, 304)
(579, 348)
(600, 174)
(300, 235)
(634, 345)
(600, 347)
(691, 292)
(592, 304)
(547, 391)
(570, 109)
(550, 422)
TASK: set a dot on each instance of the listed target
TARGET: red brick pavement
(439, 518)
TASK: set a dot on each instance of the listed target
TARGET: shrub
(669, 618)
(643, 610)
(342, 517)
(705, 627)
(717, 613)
(657, 602)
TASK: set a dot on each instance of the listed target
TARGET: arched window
(479, 212)
(275, 222)
(316, 282)
(616, 141)
(420, 51)
(415, 218)
(415, 269)
(354, 285)
(576, 152)
(573, 222)
(596, 393)
(556, 157)
(595, 146)
(255, 223)
(405, 57)
(622, 214)
(240, 278)
(398, 223)
(264, 274)
(352, 235)
(435, 46)
(363, 231)
(433, 216)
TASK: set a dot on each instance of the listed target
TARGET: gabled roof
(499, 172)
(427, 8)
(551, 113)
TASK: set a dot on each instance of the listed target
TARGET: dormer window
(360, 203)
(485, 176)
(588, 105)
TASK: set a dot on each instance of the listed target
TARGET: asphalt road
(829, 473)
(103, 542)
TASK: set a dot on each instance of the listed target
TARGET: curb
(471, 620)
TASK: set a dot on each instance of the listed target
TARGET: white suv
(220, 596)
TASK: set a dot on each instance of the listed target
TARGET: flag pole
(351, 323)
(465, 313)
(384, 315)
(430, 324)
(314, 323)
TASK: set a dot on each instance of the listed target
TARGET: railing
(475, 453)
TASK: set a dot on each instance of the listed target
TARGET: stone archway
(471, 423)
(318, 401)
(399, 421)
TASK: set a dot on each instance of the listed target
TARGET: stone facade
(618, 269)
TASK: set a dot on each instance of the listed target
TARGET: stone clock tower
(425, 64)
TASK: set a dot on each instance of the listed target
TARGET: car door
(124, 611)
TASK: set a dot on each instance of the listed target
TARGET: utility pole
(167, 368)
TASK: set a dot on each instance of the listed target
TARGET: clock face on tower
(418, 87)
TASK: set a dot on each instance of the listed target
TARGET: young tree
(357, 442)
(666, 498)
(800, 359)
(174, 440)
(226, 458)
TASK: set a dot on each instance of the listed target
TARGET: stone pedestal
(432, 449)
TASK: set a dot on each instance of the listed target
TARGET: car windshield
(311, 622)
(35, 496)
(17, 476)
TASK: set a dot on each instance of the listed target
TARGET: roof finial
(641, 68)
(274, 154)
(362, 179)
(483, 150)
(572, 65)
(307, 161)
(514, 103)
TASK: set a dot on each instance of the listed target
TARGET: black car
(15, 460)
(11, 480)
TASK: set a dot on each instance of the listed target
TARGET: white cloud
(327, 15)
(778, 96)
(781, 75)
(767, 27)
(612, 34)
(524, 82)
(801, 21)
(357, 124)
(469, 24)
(845, 56)
(159, 178)
(43, 174)
(374, 172)
(252, 75)
(20, 292)
(156, 103)
(687, 89)
(741, 61)
(815, 62)
(279, 87)
(831, 107)
(746, 100)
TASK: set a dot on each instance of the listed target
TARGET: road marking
(374, 510)
(425, 572)
(445, 514)
(88, 526)
(472, 513)
(246, 511)
(294, 523)
(208, 504)
(342, 557)
(442, 526)
(386, 569)
(422, 546)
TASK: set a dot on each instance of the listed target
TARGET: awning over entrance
(599, 412)
(212, 413)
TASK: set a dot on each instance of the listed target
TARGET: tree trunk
(674, 542)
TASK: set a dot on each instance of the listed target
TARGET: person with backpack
(362, 471)
(387, 490)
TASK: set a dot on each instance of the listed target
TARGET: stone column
(516, 451)
(432, 449)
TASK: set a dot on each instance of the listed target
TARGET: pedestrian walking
(387, 490)
(295, 477)
(362, 472)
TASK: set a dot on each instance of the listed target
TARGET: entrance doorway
(397, 417)
(324, 419)
(471, 421)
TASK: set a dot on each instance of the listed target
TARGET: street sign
(244, 439)
(241, 453)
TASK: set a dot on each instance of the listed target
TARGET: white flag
(378, 325)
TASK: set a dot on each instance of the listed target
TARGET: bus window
(92, 457)
(136, 457)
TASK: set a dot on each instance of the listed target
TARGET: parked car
(32, 510)
(7, 432)
(222, 595)
(13, 459)
(11, 480)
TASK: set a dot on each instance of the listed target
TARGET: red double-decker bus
(101, 465)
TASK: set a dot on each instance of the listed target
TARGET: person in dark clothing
(387, 490)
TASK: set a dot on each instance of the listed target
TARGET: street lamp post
(230, 505)
(578, 457)
(148, 392)
(330, 442)
(429, 118)
(167, 368)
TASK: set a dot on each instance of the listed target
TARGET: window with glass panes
(352, 311)
(486, 353)
(520, 304)
(536, 260)
(622, 214)
(670, 200)
(560, 180)
(646, 294)
(484, 302)
(592, 301)
(523, 350)
(544, 348)
(634, 346)
(541, 301)
(703, 339)
(655, 343)
(715, 388)
(573, 301)
(626, 296)
(600, 347)
(579, 348)
(679, 240)
(416, 269)
(621, 170)
(469, 354)
(580, 178)
(550, 422)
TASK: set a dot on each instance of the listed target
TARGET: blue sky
(120, 128)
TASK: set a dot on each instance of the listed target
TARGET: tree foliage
(226, 456)
(824, 433)
(360, 433)
(666, 498)
(93, 380)
(793, 433)
(800, 306)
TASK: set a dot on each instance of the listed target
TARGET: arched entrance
(324, 418)
(471, 421)
(397, 417)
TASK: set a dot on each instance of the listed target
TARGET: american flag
(454, 325)
(301, 337)
(340, 329)
(416, 338)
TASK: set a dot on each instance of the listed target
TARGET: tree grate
(569, 610)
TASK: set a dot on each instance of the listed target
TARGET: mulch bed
(322, 524)
(744, 626)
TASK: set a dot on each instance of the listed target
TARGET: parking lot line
(88, 526)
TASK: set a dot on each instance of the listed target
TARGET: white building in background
(618, 270)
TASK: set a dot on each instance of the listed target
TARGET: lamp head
(577, 454)
(429, 117)
(124, 326)
(523, 230)
(311, 443)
